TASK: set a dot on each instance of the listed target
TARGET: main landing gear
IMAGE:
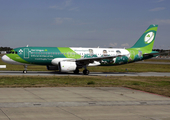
(86, 72)
(25, 69)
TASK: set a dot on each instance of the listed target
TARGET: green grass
(157, 60)
(158, 85)
(90, 83)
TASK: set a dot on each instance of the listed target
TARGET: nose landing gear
(25, 69)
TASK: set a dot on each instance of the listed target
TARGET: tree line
(5, 49)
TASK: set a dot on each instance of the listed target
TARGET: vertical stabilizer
(146, 41)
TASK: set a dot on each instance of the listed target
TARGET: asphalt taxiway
(51, 73)
(82, 103)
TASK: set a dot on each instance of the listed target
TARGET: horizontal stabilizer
(153, 54)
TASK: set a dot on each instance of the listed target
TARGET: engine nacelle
(52, 67)
(65, 66)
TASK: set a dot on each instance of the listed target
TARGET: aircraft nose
(5, 58)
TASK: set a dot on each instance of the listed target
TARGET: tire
(24, 71)
(86, 72)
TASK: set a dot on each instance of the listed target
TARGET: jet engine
(65, 66)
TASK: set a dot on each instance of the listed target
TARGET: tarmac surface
(51, 73)
(82, 103)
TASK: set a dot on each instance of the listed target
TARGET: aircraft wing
(91, 60)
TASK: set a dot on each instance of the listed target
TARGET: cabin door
(26, 53)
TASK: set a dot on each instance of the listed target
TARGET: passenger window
(118, 51)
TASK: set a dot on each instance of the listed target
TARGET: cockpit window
(12, 52)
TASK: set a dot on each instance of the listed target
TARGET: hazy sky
(82, 23)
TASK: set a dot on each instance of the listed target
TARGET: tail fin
(146, 41)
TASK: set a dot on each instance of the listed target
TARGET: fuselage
(45, 55)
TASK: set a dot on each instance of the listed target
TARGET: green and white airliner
(67, 59)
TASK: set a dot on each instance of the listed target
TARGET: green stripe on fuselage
(69, 53)
(17, 58)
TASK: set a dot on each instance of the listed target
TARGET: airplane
(71, 59)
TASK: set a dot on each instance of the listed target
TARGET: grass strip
(158, 85)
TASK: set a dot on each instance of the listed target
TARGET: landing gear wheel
(76, 71)
(86, 72)
(24, 71)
